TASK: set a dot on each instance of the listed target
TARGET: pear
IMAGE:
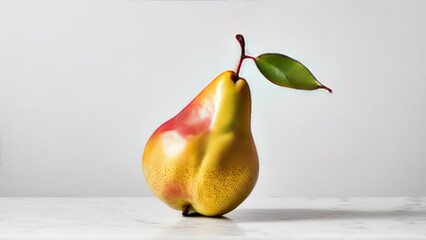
(204, 160)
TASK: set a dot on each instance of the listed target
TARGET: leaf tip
(326, 88)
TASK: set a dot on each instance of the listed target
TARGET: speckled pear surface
(204, 159)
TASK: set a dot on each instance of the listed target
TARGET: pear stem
(240, 39)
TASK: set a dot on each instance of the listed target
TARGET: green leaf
(287, 72)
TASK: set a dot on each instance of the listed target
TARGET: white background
(83, 84)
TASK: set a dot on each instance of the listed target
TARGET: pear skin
(204, 159)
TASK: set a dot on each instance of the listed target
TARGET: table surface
(269, 218)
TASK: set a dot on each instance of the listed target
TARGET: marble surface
(256, 218)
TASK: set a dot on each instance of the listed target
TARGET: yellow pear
(204, 160)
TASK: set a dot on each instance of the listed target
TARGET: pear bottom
(210, 192)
